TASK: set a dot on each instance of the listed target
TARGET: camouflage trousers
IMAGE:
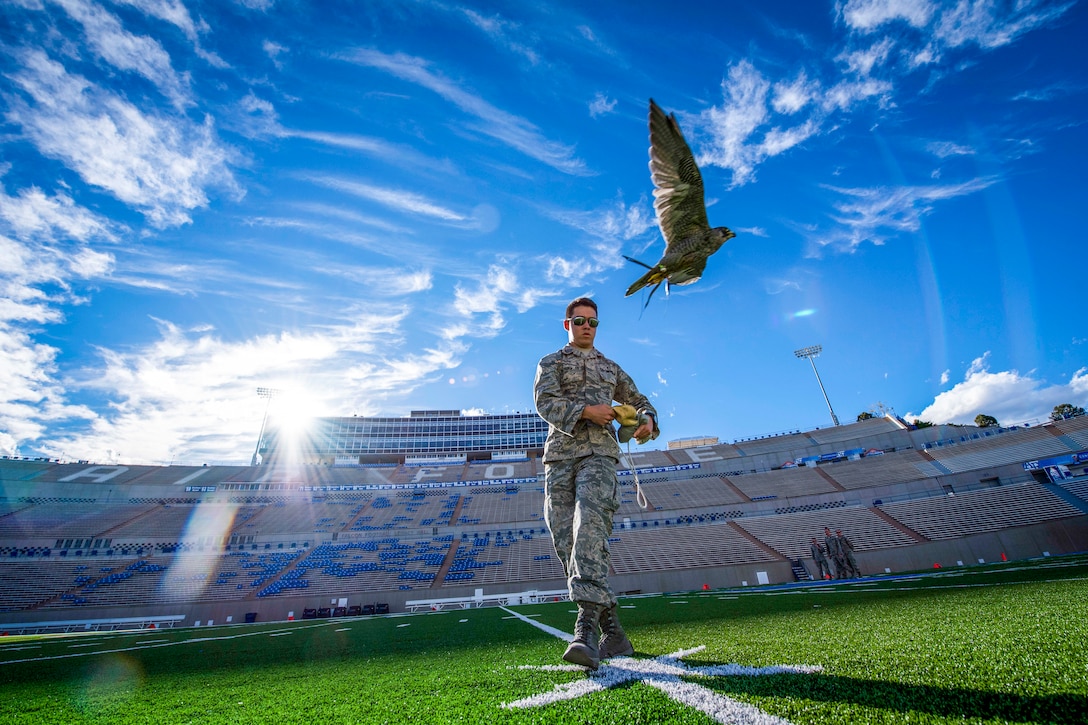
(851, 563)
(580, 497)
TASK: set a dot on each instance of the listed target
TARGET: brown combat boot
(614, 642)
(583, 650)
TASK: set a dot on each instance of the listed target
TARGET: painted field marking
(662, 673)
(170, 643)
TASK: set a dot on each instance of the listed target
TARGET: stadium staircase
(73, 592)
(831, 481)
(1070, 442)
(1068, 496)
(733, 487)
(291, 567)
(800, 573)
(897, 524)
(142, 515)
(756, 542)
(451, 556)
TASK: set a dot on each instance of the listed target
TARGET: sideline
(539, 625)
(160, 643)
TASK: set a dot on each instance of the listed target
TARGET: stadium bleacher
(984, 510)
(80, 537)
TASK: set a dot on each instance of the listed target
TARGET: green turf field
(1003, 643)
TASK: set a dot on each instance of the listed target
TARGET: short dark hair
(580, 302)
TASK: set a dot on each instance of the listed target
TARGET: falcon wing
(678, 192)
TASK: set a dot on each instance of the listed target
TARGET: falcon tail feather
(656, 275)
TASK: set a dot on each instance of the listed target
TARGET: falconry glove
(630, 420)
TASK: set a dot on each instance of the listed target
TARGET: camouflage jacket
(569, 380)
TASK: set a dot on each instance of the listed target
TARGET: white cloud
(779, 140)
(481, 305)
(744, 110)
(35, 268)
(399, 155)
(30, 395)
(744, 131)
(385, 281)
(1009, 396)
(867, 15)
(601, 105)
(608, 227)
(503, 33)
(274, 51)
(861, 62)
(749, 127)
(792, 96)
(946, 149)
(345, 214)
(407, 202)
(45, 252)
(778, 285)
(945, 377)
(158, 165)
(613, 221)
(33, 215)
(511, 130)
(992, 25)
(846, 94)
(875, 215)
(985, 24)
(189, 396)
(123, 50)
(256, 117)
(171, 11)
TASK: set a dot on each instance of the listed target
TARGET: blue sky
(385, 206)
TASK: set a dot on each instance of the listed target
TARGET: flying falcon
(681, 210)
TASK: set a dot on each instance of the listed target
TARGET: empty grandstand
(424, 436)
(84, 545)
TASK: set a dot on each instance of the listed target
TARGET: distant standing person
(822, 569)
(834, 553)
(574, 391)
(847, 548)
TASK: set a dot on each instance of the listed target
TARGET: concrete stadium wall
(1065, 536)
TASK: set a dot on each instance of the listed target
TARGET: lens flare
(111, 682)
(209, 524)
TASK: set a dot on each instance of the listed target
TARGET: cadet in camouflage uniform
(847, 548)
(574, 391)
(822, 569)
(834, 552)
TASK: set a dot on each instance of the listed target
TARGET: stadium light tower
(267, 394)
(810, 352)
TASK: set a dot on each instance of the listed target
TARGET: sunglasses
(579, 321)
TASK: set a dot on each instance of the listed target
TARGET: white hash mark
(664, 673)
